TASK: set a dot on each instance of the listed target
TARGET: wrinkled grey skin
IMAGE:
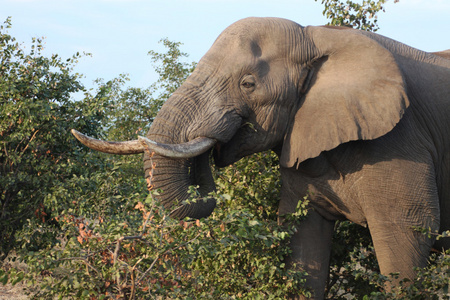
(445, 53)
(360, 122)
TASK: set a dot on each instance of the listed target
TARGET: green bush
(36, 114)
(132, 248)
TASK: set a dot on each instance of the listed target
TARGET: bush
(137, 250)
(36, 113)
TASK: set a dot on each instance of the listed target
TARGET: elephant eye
(248, 82)
(248, 85)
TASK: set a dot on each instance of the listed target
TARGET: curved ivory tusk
(129, 147)
(186, 150)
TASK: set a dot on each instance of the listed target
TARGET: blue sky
(119, 33)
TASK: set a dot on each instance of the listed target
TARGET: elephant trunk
(173, 176)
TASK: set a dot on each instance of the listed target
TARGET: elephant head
(267, 83)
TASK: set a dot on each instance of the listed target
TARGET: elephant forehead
(255, 37)
(252, 26)
(234, 47)
(230, 62)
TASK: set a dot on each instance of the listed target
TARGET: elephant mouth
(217, 154)
(221, 156)
(235, 148)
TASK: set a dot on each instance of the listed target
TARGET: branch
(28, 144)
(165, 252)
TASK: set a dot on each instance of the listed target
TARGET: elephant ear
(356, 92)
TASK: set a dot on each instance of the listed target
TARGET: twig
(149, 268)
(90, 266)
(133, 269)
(83, 259)
(165, 252)
(133, 285)
(146, 220)
(28, 144)
(116, 252)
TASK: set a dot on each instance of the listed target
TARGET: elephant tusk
(190, 149)
(128, 147)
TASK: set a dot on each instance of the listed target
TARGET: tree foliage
(170, 67)
(36, 112)
(362, 15)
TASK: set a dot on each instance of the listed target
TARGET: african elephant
(445, 53)
(359, 121)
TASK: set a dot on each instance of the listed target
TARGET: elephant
(445, 53)
(359, 122)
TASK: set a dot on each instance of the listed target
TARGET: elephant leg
(311, 247)
(444, 197)
(400, 249)
(444, 243)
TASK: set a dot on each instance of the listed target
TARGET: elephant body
(390, 183)
(359, 121)
(445, 53)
